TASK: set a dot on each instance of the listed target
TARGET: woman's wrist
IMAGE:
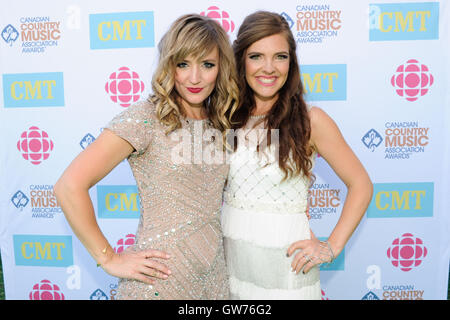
(104, 256)
(335, 248)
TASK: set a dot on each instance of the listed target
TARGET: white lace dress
(261, 217)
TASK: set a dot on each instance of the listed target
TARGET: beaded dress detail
(180, 207)
(261, 217)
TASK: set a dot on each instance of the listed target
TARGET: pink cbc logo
(222, 17)
(412, 80)
(45, 290)
(124, 87)
(35, 145)
(124, 243)
(407, 252)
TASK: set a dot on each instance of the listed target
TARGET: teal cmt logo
(122, 30)
(324, 82)
(402, 200)
(23, 90)
(43, 250)
(404, 21)
(118, 202)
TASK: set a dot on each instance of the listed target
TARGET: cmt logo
(325, 82)
(402, 200)
(404, 21)
(118, 202)
(122, 30)
(43, 250)
(24, 90)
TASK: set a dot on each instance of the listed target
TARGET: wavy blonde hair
(195, 35)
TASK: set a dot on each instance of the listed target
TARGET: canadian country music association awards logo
(10, 34)
(412, 80)
(35, 145)
(315, 23)
(407, 252)
(401, 139)
(370, 296)
(20, 200)
(221, 16)
(124, 87)
(323, 199)
(372, 139)
(102, 295)
(45, 290)
(87, 140)
(98, 295)
(41, 198)
(36, 33)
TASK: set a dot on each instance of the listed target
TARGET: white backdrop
(379, 68)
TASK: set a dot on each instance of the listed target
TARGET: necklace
(259, 116)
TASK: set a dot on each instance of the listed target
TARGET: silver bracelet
(331, 250)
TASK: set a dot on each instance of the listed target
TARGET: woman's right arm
(72, 193)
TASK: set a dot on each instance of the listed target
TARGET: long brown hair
(289, 113)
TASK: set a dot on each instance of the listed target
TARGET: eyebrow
(202, 60)
(256, 52)
(209, 60)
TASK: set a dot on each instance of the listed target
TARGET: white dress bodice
(262, 215)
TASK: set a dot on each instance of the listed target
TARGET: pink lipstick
(195, 90)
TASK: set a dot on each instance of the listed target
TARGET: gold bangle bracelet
(104, 252)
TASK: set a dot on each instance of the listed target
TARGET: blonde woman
(178, 252)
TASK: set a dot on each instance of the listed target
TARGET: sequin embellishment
(179, 210)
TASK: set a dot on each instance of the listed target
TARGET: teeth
(264, 80)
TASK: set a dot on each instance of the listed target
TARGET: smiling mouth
(195, 90)
(266, 81)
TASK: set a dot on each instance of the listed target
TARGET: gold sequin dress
(180, 206)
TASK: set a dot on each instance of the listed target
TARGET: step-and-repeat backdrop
(379, 68)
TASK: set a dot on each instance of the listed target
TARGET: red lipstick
(195, 90)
